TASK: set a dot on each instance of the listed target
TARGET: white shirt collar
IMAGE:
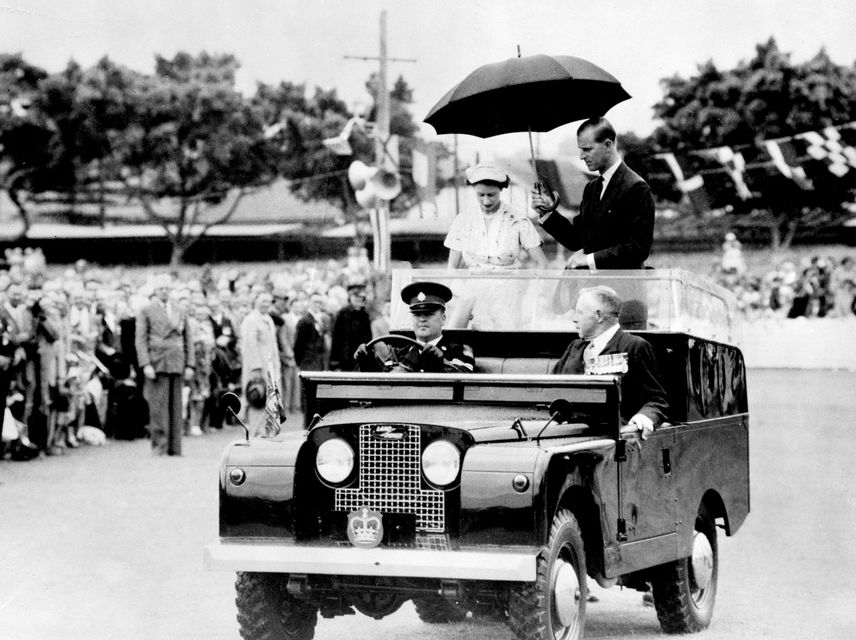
(599, 343)
(607, 176)
(431, 342)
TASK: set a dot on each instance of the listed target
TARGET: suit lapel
(574, 362)
(612, 345)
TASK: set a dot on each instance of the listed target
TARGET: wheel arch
(569, 486)
(714, 505)
(580, 501)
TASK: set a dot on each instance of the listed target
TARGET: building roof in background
(271, 204)
(56, 231)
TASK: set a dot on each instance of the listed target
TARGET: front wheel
(266, 611)
(685, 590)
(554, 606)
(438, 610)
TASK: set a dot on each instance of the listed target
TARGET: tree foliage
(303, 121)
(764, 97)
(178, 140)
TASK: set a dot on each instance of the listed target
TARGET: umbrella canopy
(534, 93)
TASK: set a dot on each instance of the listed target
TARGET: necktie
(598, 185)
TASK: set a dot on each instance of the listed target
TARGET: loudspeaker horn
(359, 173)
(386, 184)
(366, 197)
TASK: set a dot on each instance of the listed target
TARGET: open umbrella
(531, 93)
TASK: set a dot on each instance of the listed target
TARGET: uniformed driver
(435, 353)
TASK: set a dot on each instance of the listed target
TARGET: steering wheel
(390, 339)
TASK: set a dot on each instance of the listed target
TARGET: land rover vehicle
(499, 492)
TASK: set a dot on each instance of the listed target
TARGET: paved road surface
(107, 542)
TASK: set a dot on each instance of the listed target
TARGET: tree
(401, 124)
(299, 124)
(178, 141)
(25, 137)
(763, 98)
(191, 142)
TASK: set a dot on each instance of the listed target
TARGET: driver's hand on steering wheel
(431, 353)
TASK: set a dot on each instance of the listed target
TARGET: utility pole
(380, 214)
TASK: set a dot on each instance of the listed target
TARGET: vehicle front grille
(390, 478)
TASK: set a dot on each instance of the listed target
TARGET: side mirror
(561, 410)
(232, 403)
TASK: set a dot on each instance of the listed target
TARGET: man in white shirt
(615, 226)
(164, 351)
(604, 348)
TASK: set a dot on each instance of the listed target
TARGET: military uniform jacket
(618, 228)
(641, 390)
(457, 358)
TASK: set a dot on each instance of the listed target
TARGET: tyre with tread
(685, 590)
(554, 606)
(438, 610)
(266, 611)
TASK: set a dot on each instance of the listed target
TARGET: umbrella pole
(534, 166)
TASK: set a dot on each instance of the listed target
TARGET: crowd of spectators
(68, 366)
(812, 287)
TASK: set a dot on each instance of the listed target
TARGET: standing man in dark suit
(351, 328)
(603, 348)
(164, 353)
(615, 225)
(310, 340)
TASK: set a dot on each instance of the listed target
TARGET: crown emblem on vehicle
(421, 296)
(365, 528)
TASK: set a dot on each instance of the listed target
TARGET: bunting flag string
(713, 177)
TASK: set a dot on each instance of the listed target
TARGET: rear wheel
(266, 611)
(685, 590)
(549, 608)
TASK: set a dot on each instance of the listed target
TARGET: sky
(640, 41)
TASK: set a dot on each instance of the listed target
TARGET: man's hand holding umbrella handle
(545, 202)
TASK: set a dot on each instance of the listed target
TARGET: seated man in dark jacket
(435, 353)
(603, 348)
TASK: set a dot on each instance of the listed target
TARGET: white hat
(483, 172)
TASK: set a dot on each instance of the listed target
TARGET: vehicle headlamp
(441, 462)
(334, 460)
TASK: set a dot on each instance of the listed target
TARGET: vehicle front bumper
(512, 564)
